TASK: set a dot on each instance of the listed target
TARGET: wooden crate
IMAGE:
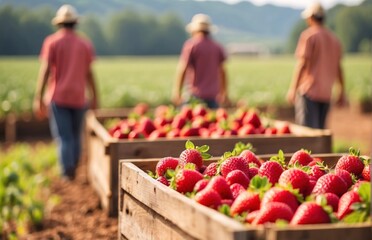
(104, 152)
(151, 210)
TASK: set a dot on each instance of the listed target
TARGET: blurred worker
(201, 66)
(318, 67)
(66, 60)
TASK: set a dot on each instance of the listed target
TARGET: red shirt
(322, 50)
(203, 57)
(69, 57)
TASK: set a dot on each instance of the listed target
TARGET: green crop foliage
(125, 81)
(27, 171)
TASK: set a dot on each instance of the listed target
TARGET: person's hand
(342, 100)
(291, 96)
(39, 108)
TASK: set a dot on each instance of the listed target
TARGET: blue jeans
(66, 127)
(311, 113)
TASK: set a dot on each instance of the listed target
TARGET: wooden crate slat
(178, 209)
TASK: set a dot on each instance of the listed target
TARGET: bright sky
(300, 4)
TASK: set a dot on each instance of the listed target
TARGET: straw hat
(65, 14)
(315, 10)
(200, 22)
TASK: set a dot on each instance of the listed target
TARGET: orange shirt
(69, 57)
(322, 52)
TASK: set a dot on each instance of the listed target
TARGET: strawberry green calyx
(280, 158)
(259, 184)
(240, 147)
(322, 201)
(354, 152)
(361, 210)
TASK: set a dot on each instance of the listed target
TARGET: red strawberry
(233, 163)
(211, 169)
(246, 129)
(366, 173)
(316, 171)
(310, 213)
(273, 211)
(163, 180)
(237, 176)
(251, 216)
(173, 133)
(345, 175)
(208, 197)
(201, 184)
(351, 162)
(146, 126)
(186, 112)
(253, 171)
(346, 200)
(250, 157)
(178, 122)
(228, 202)
(272, 170)
(330, 182)
(194, 154)
(302, 156)
(295, 177)
(164, 164)
(277, 194)
(157, 133)
(221, 114)
(221, 186)
(331, 199)
(252, 118)
(199, 110)
(135, 134)
(188, 131)
(246, 202)
(186, 179)
(236, 189)
(284, 129)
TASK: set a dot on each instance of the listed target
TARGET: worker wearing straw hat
(201, 66)
(64, 76)
(318, 67)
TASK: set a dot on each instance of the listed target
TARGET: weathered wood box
(104, 152)
(151, 210)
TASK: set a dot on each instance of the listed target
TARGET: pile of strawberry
(303, 190)
(192, 120)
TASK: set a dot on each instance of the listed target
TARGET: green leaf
(364, 192)
(151, 174)
(355, 217)
(224, 209)
(203, 149)
(206, 155)
(189, 145)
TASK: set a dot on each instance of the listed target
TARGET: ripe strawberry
(221, 186)
(227, 202)
(331, 200)
(246, 202)
(284, 129)
(208, 197)
(194, 154)
(186, 179)
(346, 200)
(295, 177)
(211, 169)
(277, 194)
(366, 173)
(351, 162)
(253, 171)
(237, 176)
(163, 180)
(164, 164)
(135, 134)
(345, 175)
(330, 182)
(316, 171)
(252, 118)
(246, 129)
(146, 126)
(310, 213)
(272, 170)
(178, 122)
(302, 156)
(201, 184)
(251, 216)
(273, 211)
(233, 163)
(199, 110)
(186, 112)
(250, 157)
(236, 189)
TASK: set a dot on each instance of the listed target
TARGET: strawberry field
(121, 80)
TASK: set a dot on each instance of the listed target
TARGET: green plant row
(26, 173)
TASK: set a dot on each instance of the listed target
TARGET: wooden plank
(361, 231)
(141, 222)
(180, 210)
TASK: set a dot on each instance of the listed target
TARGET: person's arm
(223, 94)
(341, 100)
(180, 78)
(298, 72)
(93, 90)
(39, 107)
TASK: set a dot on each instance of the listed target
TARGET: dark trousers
(311, 113)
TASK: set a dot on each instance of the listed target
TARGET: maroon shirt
(203, 57)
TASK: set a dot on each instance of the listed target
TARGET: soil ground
(79, 215)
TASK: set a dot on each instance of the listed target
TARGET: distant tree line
(128, 32)
(352, 25)
(22, 32)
